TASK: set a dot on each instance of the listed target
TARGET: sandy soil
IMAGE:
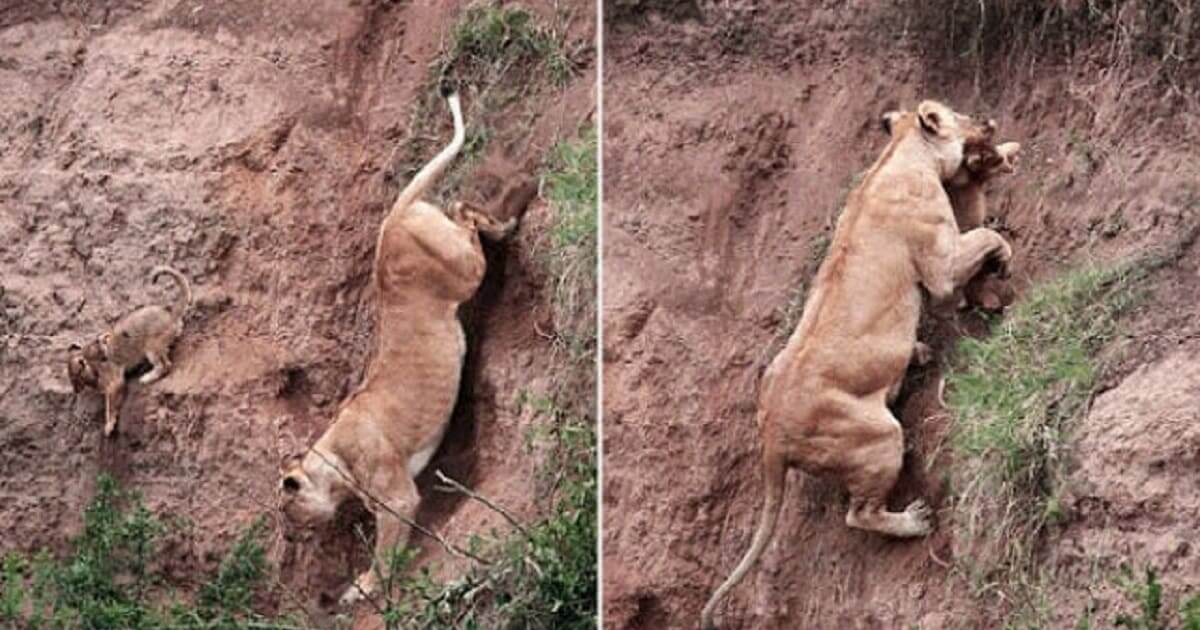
(254, 149)
(732, 134)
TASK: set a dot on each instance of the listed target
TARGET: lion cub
(981, 162)
(145, 334)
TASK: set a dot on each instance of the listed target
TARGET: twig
(450, 548)
(454, 486)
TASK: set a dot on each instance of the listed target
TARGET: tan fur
(989, 291)
(145, 334)
(427, 263)
(823, 400)
(981, 163)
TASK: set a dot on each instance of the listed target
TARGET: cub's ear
(74, 347)
(1008, 156)
(930, 114)
(888, 121)
(1009, 150)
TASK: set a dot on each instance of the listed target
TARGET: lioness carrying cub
(427, 263)
(982, 162)
(823, 401)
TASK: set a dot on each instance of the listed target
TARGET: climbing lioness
(822, 405)
(427, 263)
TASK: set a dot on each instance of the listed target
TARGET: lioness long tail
(181, 283)
(431, 171)
(774, 476)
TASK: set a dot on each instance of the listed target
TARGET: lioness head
(312, 490)
(944, 130)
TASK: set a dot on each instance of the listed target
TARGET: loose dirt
(255, 148)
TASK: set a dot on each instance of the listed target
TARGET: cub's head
(312, 490)
(987, 160)
(945, 131)
(81, 365)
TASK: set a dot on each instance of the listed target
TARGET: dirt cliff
(733, 132)
(255, 147)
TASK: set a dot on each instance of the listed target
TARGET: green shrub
(490, 37)
(497, 56)
(109, 579)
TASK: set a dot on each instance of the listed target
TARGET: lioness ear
(930, 116)
(888, 121)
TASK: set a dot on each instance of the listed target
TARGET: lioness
(427, 263)
(823, 400)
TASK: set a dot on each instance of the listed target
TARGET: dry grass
(989, 32)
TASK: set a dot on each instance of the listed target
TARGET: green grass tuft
(496, 57)
(491, 37)
(1148, 597)
(571, 186)
(1014, 396)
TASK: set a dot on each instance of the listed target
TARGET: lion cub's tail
(431, 171)
(774, 476)
(181, 283)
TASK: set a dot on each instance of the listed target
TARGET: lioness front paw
(921, 516)
(1003, 257)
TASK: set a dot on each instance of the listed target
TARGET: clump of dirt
(253, 148)
(731, 142)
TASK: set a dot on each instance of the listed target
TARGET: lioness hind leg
(874, 468)
(392, 527)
